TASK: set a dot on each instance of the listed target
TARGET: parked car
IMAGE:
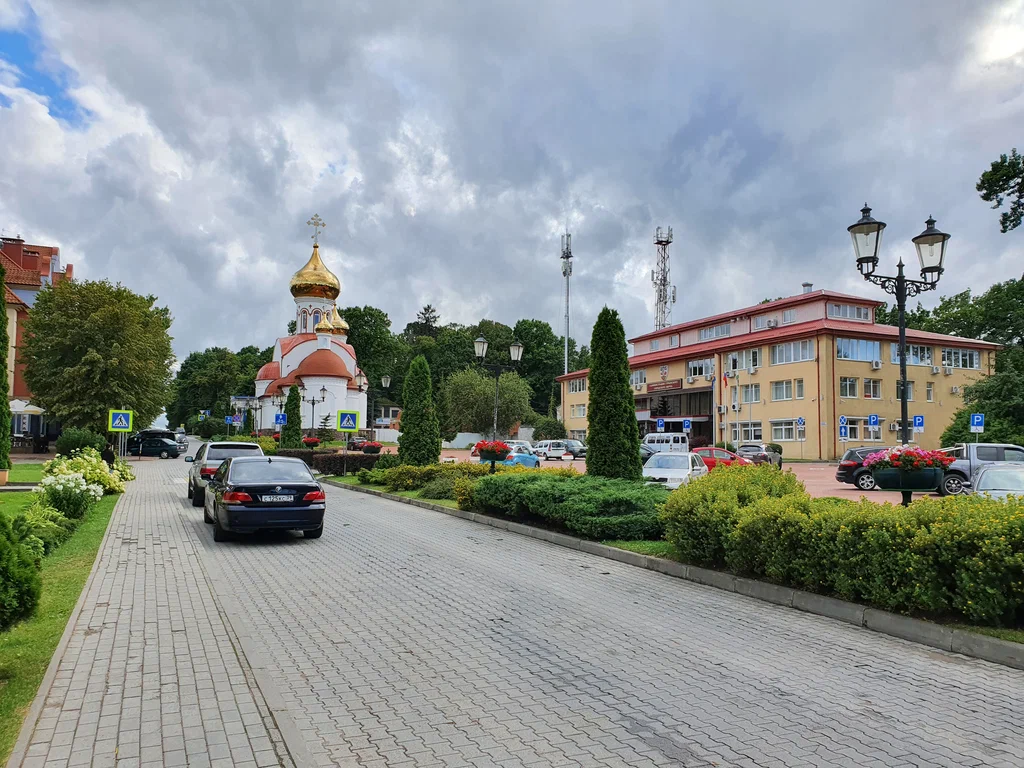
(356, 443)
(646, 452)
(550, 449)
(674, 469)
(668, 441)
(760, 453)
(998, 481)
(851, 467)
(519, 454)
(970, 457)
(523, 443)
(255, 493)
(576, 448)
(715, 456)
(182, 440)
(145, 434)
(206, 462)
(156, 446)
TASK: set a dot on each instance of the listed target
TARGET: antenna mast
(664, 292)
(566, 273)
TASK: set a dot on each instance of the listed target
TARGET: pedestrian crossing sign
(119, 421)
(348, 421)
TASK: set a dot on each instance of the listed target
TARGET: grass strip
(25, 650)
(352, 480)
(25, 473)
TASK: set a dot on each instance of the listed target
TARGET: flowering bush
(69, 494)
(87, 463)
(311, 442)
(908, 458)
(492, 446)
(276, 436)
(370, 446)
(123, 470)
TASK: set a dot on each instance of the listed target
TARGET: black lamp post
(931, 253)
(313, 400)
(515, 352)
(385, 383)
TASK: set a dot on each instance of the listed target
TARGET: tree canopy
(207, 380)
(468, 398)
(90, 346)
(1003, 182)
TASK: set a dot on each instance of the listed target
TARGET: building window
(638, 377)
(789, 316)
(673, 340)
(847, 386)
(715, 332)
(853, 429)
(578, 411)
(746, 431)
(899, 390)
(316, 318)
(751, 393)
(849, 312)
(760, 322)
(858, 429)
(798, 385)
(746, 358)
(578, 385)
(793, 352)
(578, 434)
(929, 391)
(961, 358)
(858, 349)
(303, 321)
(655, 343)
(700, 367)
(916, 354)
(782, 390)
(783, 430)
(872, 389)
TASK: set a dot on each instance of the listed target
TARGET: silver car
(206, 462)
(998, 481)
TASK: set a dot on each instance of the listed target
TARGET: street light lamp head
(361, 381)
(385, 381)
(323, 394)
(931, 252)
(480, 346)
(867, 238)
(515, 351)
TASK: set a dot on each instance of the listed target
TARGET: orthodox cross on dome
(317, 224)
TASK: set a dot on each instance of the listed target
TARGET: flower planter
(493, 455)
(371, 450)
(894, 479)
(4, 476)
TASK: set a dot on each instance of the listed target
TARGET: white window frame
(849, 311)
(798, 389)
(673, 341)
(744, 359)
(910, 390)
(781, 428)
(715, 332)
(578, 411)
(786, 387)
(858, 350)
(788, 316)
(956, 357)
(870, 387)
(845, 382)
(792, 352)
(577, 385)
(751, 393)
(655, 343)
(751, 431)
(637, 377)
(760, 322)
(929, 391)
(917, 354)
(700, 367)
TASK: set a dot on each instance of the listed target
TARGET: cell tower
(664, 292)
(566, 273)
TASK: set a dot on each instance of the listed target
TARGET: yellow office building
(795, 371)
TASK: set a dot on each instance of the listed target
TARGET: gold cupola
(324, 326)
(339, 326)
(315, 279)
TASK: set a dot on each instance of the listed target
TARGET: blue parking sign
(280, 419)
(873, 420)
(686, 425)
(661, 425)
(977, 422)
(919, 423)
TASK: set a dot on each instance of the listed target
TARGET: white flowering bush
(123, 470)
(69, 494)
(88, 463)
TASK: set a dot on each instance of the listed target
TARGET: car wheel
(865, 481)
(952, 485)
(198, 497)
(164, 455)
(316, 533)
(219, 534)
(206, 517)
(188, 493)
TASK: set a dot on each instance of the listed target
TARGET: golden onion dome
(315, 279)
(338, 324)
(324, 326)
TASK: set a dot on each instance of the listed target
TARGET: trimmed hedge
(591, 507)
(335, 463)
(961, 556)
(408, 478)
(20, 584)
(73, 438)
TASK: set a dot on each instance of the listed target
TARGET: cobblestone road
(406, 637)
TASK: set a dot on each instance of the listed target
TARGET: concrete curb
(977, 646)
(28, 725)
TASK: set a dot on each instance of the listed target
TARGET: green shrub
(387, 461)
(775, 447)
(89, 464)
(441, 487)
(45, 523)
(73, 438)
(69, 494)
(547, 428)
(268, 444)
(20, 584)
(462, 492)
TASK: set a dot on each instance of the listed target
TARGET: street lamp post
(313, 400)
(515, 352)
(385, 383)
(931, 253)
(362, 384)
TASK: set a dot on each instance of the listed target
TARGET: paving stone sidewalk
(151, 676)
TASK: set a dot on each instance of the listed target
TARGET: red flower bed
(311, 442)
(908, 458)
(486, 448)
(276, 436)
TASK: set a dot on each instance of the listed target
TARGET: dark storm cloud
(447, 143)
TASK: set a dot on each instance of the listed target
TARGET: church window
(303, 322)
(316, 317)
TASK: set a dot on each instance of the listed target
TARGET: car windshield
(669, 461)
(1008, 479)
(270, 472)
(221, 452)
(748, 449)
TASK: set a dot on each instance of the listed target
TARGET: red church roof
(323, 362)
(288, 343)
(269, 372)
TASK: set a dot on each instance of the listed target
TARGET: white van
(668, 441)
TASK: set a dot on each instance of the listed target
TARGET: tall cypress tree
(291, 433)
(420, 441)
(613, 442)
(5, 406)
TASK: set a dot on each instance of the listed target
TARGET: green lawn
(25, 473)
(1012, 635)
(13, 501)
(25, 651)
(655, 548)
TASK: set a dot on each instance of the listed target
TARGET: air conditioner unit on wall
(751, 371)
(722, 409)
(638, 387)
(935, 369)
(773, 323)
(948, 370)
(954, 390)
(689, 379)
(735, 407)
(876, 365)
(893, 426)
(730, 374)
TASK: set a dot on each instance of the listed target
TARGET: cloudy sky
(180, 147)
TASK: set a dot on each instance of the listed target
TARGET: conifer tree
(420, 441)
(291, 433)
(5, 407)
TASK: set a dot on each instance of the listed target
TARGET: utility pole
(566, 273)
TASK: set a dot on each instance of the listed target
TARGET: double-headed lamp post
(931, 252)
(313, 400)
(515, 352)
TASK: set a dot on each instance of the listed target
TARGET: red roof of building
(288, 343)
(758, 309)
(269, 371)
(323, 362)
(11, 298)
(18, 275)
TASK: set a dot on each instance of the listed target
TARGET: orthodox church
(317, 357)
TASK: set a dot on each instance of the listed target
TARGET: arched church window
(316, 317)
(303, 320)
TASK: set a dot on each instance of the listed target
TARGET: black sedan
(155, 446)
(259, 493)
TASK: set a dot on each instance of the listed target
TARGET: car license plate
(278, 498)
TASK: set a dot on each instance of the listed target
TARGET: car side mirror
(189, 459)
(967, 484)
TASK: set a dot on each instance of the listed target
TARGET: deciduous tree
(1004, 181)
